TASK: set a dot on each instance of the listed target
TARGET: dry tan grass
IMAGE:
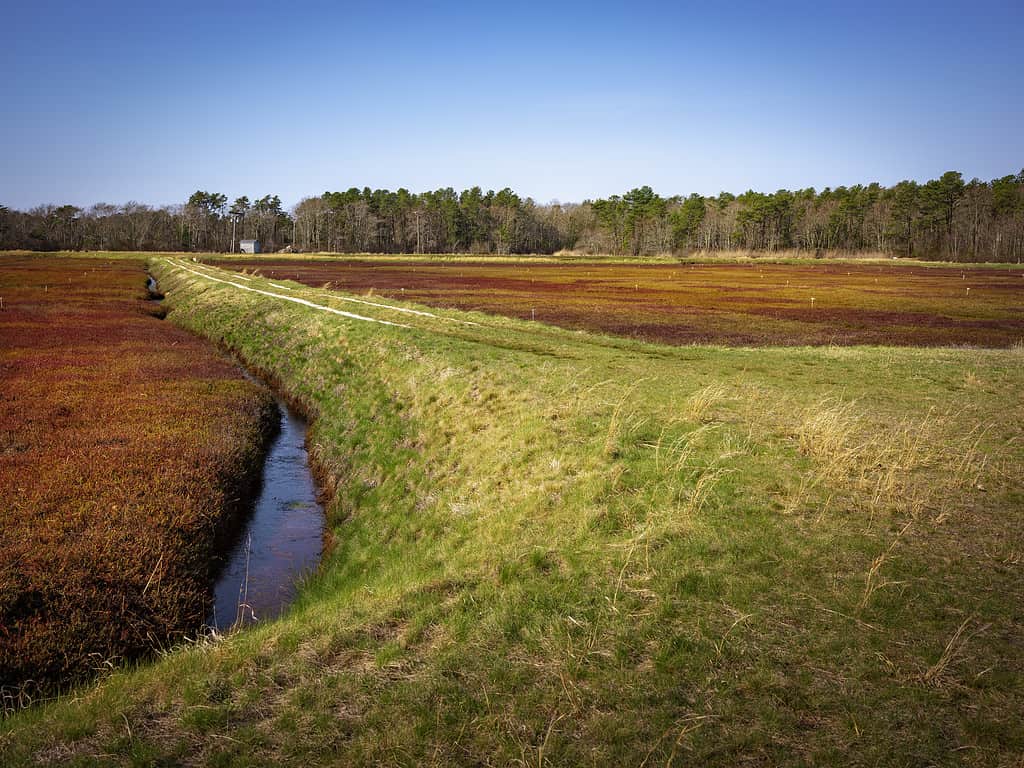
(673, 457)
(699, 405)
(877, 464)
(972, 380)
(826, 431)
(701, 493)
(623, 421)
(899, 471)
(874, 580)
(937, 673)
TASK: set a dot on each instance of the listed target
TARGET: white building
(249, 246)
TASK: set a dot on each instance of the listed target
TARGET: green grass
(555, 548)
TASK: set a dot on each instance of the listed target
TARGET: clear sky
(118, 101)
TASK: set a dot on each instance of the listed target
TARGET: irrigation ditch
(278, 539)
(279, 542)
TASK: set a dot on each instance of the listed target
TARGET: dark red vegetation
(124, 445)
(711, 303)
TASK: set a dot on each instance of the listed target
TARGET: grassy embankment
(558, 548)
(124, 442)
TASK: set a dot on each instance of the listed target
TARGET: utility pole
(237, 212)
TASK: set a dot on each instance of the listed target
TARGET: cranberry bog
(124, 444)
(554, 547)
(734, 304)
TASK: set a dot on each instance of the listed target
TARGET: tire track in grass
(419, 312)
(543, 331)
(295, 299)
(351, 300)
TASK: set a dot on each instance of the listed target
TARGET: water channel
(281, 540)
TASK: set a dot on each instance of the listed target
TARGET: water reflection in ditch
(281, 541)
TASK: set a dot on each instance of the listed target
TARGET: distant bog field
(734, 304)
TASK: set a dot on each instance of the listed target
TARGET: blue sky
(117, 101)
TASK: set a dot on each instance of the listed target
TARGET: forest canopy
(945, 218)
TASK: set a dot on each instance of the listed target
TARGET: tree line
(945, 218)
